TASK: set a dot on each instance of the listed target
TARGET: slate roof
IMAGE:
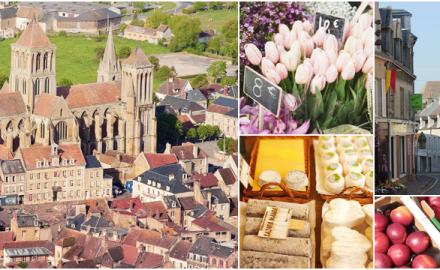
(221, 251)
(180, 105)
(206, 246)
(158, 160)
(92, 162)
(169, 200)
(195, 95)
(161, 175)
(9, 12)
(217, 195)
(227, 175)
(34, 37)
(116, 253)
(11, 166)
(11, 104)
(232, 113)
(226, 102)
(180, 250)
(98, 15)
(91, 94)
(96, 224)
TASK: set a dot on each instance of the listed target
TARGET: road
(424, 184)
(179, 7)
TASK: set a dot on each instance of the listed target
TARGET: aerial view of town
(118, 134)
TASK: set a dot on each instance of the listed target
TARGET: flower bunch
(260, 20)
(304, 63)
(338, 9)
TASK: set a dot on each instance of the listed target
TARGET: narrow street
(424, 184)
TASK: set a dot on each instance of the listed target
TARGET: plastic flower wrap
(324, 78)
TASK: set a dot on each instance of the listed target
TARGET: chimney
(195, 151)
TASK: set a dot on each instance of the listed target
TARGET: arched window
(17, 82)
(140, 86)
(24, 87)
(42, 130)
(36, 87)
(60, 132)
(37, 62)
(45, 61)
(46, 85)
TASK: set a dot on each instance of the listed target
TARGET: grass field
(215, 19)
(166, 6)
(76, 58)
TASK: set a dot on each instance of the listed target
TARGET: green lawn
(166, 6)
(215, 19)
(76, 56)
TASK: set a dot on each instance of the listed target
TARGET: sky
(425, 24)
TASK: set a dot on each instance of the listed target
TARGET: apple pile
(397, 244)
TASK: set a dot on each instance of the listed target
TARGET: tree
(124, 52)
(65, 82)
(163, 73)
(186, 32)
(200, 6)
(3, 79)
(122, 27)
(217, 70)
(202, 132)
(137, 22)
(216, 132)
(228, 81)
(139, 6)
(157, 18)
(214, 45)
(22, 264)
(99, 53)
(169, 129)
(230, 29)
(155, 61)
(191, 134)
(199, 81)
(227, 145)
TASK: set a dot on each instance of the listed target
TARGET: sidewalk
(420, 184)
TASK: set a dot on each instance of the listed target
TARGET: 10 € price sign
(261, 90)
(333, 25)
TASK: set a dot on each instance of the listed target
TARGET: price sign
(264, 92)
(333, 25)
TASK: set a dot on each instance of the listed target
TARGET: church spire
(109, 67)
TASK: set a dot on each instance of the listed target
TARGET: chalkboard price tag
(333, 25)
(264, 92)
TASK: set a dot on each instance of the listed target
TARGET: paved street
(423, 184)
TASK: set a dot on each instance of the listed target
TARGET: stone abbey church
(115, 113)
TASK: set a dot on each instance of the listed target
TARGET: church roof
(45, 104)
(137, 58)
(109, 56)
(91, 94)
(11, 104)
(34, 37)
(5, 88)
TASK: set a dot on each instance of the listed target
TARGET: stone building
(223, 112)
(12, 178)
(394, 117)
(115, 113)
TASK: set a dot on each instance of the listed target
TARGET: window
(38, 185)
(46, 85)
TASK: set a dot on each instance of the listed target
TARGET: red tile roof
(5, 153)
(30, 244)
(185, 151)
(173, 88)
(131, 254)
(149, 237)
(5, 88)
(180, 251)
(34, 37)
(215, 108)
(150, 260)
(45, 104)
(11, 104)
(198, 118)
(209, 223)
(39, 152)
(227, 175)
(5, 237)
(91, 94)
(206, 181)
(158, 160)
(137, 58)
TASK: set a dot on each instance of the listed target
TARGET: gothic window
(24, 87)
(46, 86)
(60, 132)
(38, 62)
(45, 61)
(140, 86)
(42, 130)
(36, 87)
(17, 82)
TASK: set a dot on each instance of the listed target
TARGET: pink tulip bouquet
(325, 80)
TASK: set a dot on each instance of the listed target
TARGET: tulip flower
(368, 66)
(359, 58)
(320, 61)
(283, 30)
(307, 26)
(332, 57)
(289, 39)
(318, 83)
(266, 65)
(292, 58)
(271, 51)
(297, 26)
(290, 102)
(351, 45)
(330, 43)
(253, 54)
(309, 48)
(303, 74)
(342, 60)
(331, 74)
(365, 21)
(273, 76)
(348, 71)
(278, 39)
(282, 70)
(357, 31)
(319, 36)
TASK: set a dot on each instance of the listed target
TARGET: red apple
(424, 261)
(434, 201)
(396, 233)
(380, 222)
(402, 215)
(417, 241)
(382, 261)
(381, 242)
(399, 254)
